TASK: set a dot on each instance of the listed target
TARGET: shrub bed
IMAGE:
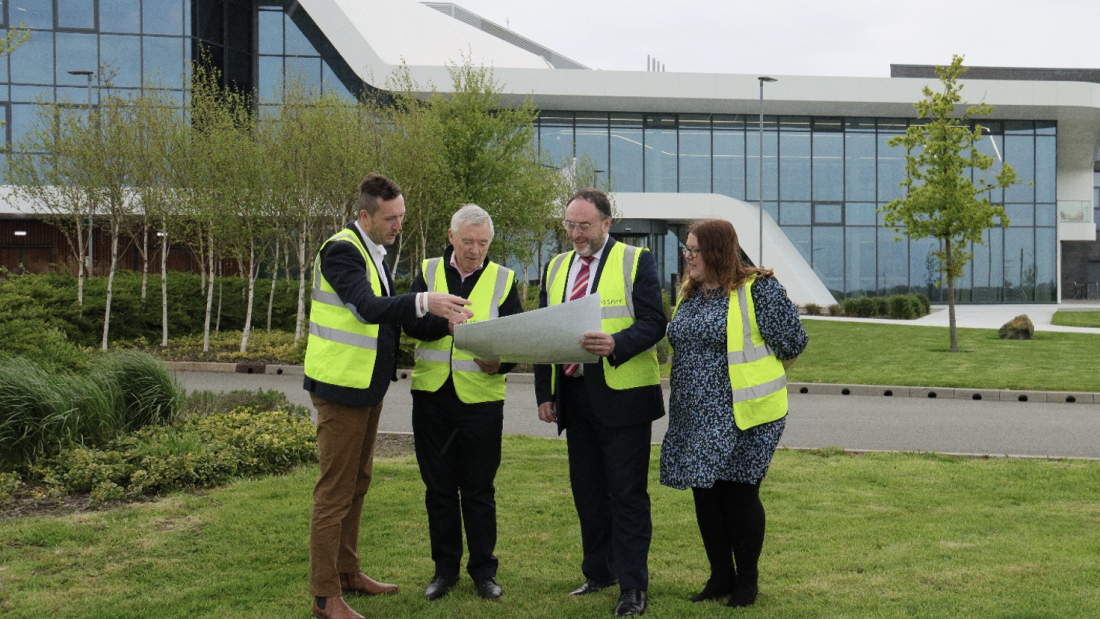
(199, 452)
(898, 307)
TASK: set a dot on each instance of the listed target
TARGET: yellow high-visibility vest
(616, 288)
(757, 377)
(342, 349)
(437, 359)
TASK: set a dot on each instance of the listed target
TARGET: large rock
(1019, 328)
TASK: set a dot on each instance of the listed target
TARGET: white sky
(804, 37)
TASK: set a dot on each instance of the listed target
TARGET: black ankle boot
(717, 586)
(744, 592)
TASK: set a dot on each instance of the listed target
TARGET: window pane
(120, 16)
(794, 214)
(828, 166)
(333, 85)
(32, 94)
(239, 28)
(296, 43)
(32, 62)
(1046, 255)
(861, 259)
(891, 169)
(1019, 265)
(556, 139)
(1020, 154)
(893, 263)
(859, 166)
(270, 88)
(924, 273)
(304, 71)
(164, 61)
(994, 147)
(828, 260)
(695, 158)
(1046, 163)
(121, 60)
(799, 236)
(729, 156)
(76, 14)
(163, 17)
(1046, 215)
(239, 71)
(752, 159)
(76, 50)
(23, 119)
(859, 214)
(626, 152)
(271, 32)
(33, 13)
(660, 153)
(592, 141)
(794, 165)
(828, 214)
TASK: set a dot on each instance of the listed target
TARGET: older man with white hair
(458, 406)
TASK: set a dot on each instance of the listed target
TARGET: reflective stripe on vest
(435, 360)
(616, 290)
(342, 348)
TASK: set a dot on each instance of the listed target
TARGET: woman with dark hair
(734, 333)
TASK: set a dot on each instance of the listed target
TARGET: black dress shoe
(489, 588)
(440, 586)
(591, 586)
(715, 588)
(631, 603)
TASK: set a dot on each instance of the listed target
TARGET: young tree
(943, 200)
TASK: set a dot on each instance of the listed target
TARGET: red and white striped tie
(580, 288)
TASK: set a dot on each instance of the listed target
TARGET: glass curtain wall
(824, 179)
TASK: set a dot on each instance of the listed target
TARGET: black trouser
(731, 522)
(609, 473)
(458, 450)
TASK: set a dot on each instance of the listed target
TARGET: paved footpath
(854, 422)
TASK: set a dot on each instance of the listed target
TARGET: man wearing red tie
(607, 407)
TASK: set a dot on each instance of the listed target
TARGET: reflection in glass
(163, 17)
(861, 261)
(75, 51)
(752, 159)
(828, 167)
(1046, 162)
(828, 260)
(1046, 256)
(859, 166)
(592, 141)
(795, 214)
(270, 86)
(121, 60)
(859, 214)
(76, 14)
(799, 236)
(626, 152)
(893, 263)
(23, 119)
(33, 13)
(332, 85)
(794, 165)
(296, 43)
(32, 94)
(556, 139)
(660, 153)
(120, 16)
(163, 57)
(729, 156)
(32, 62)
(828, 213)
(891, 169)
(271, 32)
(304, 71)
(695, 155)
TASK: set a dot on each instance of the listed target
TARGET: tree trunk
(110, 284)
(164, 291)
(209, 295)
(950, 273)
(251, 295)
(300, 318)
(144, 259)
(221, 288)
(271, 295)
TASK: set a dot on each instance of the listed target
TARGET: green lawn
(888, 354)
(1077, 319)
(881, 535)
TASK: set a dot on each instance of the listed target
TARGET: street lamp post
(760, 256)
(88, 74)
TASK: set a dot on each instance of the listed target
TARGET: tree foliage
(948, 190)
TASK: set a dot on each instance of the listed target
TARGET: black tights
(731, 521)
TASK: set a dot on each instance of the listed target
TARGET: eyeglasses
(571, 225)
(690, 253)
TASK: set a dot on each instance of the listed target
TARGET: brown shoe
(333, 608)
(363, 584)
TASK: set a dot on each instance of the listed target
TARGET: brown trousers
(345, 447)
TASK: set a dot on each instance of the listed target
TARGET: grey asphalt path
(851, 422)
